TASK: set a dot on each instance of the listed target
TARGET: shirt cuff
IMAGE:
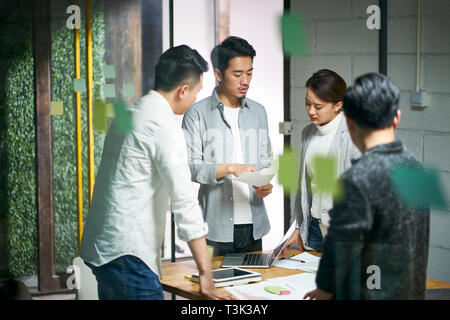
(192, 234)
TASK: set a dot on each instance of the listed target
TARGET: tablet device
(231, 276)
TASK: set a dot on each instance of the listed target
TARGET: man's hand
(235, 169)
(203, 261)
(310, 295)
(239, 169)
(295, 237)
(318, 294)
(263, 191)
(209, 291)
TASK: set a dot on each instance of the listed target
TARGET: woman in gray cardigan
(326, 136)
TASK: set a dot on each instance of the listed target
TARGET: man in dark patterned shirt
(377, 245)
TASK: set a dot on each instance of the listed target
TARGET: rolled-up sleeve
(201, 172)
(170, 160)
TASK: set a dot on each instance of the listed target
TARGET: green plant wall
(18, 215)
(17, 140)
(63, 126)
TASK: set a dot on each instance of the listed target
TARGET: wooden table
(173, 279)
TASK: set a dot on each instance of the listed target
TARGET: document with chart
(283, 288)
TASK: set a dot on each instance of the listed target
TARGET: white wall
(340, 41)
(257, 22)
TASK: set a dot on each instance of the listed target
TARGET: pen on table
(295, 260)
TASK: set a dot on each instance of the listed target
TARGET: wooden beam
(287, 118)
(222, 8)
(47, 278)
(124, 44)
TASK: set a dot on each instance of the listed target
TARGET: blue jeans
(315, 238)
(127, 278)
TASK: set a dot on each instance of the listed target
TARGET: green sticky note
(287, 169)
(56, 108)
(128, 90)
(79, 85)
(419, 186)
(109, 71)
(293, 35)
(326, 177)
(109, 110)
(123, 117)
(100, 120)
(109, 90)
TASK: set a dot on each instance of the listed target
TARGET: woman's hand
(295, 237)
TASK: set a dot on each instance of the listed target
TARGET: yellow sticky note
(109, 110)
(99, 119)
(56, 108)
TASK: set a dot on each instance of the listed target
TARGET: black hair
(327, 85)
(179, 65)
(230, 48)
(373, 101)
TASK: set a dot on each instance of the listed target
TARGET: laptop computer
(257, 260)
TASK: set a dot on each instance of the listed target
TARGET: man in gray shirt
(377, 243)
(227, 135)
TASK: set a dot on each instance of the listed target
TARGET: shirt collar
(163, 103)
(216, 103)
(388, 148)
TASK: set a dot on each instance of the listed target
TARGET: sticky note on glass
(128, 90)
(293, 35)
(109, 110)
(288, 163)
(109, 71)
(419, 186)
(109, 90)
(79, 85)
(56, 108)
(326, 177)
(123, 117)
(100, 119)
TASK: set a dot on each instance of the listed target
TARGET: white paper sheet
(291, 288)
(259, 178)
(310, 264)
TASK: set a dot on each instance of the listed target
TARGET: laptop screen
(286, 237)
(277, 250)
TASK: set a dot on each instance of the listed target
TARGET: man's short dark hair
(230, 48)
(179, 65)
(372, 102)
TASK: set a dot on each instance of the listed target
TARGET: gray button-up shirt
(210, 143)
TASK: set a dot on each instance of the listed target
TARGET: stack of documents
(303, 261)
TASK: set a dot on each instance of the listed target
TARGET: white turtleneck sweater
(320, 146)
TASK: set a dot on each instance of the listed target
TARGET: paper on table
(310, 264)
(284, 288)
(259, 178)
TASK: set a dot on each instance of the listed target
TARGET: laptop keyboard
(257, 259)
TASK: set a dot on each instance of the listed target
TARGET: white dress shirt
(138, 173)
(241, 193)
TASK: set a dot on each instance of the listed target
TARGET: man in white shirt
(138, 173)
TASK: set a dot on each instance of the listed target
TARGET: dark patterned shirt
(377, 245)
